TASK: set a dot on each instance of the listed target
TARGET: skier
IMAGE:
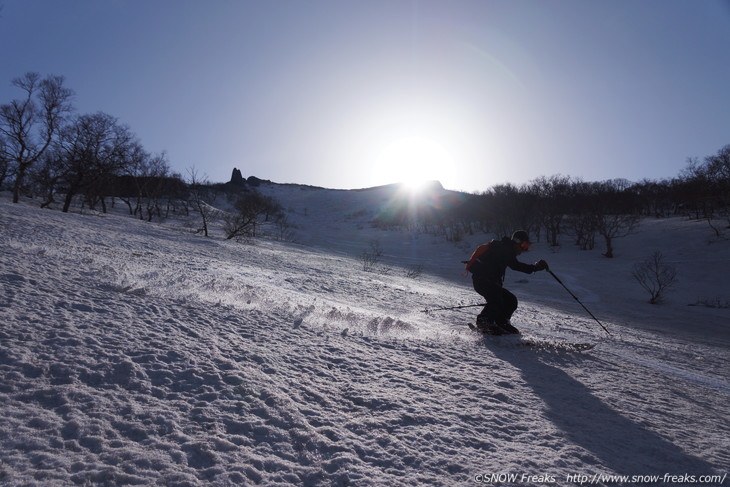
(488, 265)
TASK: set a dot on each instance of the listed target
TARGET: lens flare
(413, 161)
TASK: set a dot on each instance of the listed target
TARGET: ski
(548, 345)
(518, 341)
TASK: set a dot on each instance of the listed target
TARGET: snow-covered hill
(136, 353)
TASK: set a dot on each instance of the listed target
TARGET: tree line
(48, 150)
(560, 207)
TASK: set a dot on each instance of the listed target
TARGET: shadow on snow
(619, 443)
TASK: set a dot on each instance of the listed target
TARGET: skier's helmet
(522, 238)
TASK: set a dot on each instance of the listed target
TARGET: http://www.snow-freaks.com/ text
(599, 479)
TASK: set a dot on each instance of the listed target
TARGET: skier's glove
(541, 265)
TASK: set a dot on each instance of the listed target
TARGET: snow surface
(136, 353)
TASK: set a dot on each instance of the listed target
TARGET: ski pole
(576, 298)
(428, 310)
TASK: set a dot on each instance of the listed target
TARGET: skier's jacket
(489, 262)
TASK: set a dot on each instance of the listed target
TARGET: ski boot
(489, 327)
(509, 329)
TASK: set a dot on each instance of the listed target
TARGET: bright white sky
(347, 94)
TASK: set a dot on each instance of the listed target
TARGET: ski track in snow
(135, 353)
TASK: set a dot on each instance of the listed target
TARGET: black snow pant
(500, 303)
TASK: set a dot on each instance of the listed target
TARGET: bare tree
(582, 226)
(505, 207)
(252, 209)
(655, 276)
(147, 180)
(29, 125)
(48, 175)
(613, 225)
(94, 148)
(712, 180)
(371, 256)
(4, 160)
(155, 184)
(553, 194)
(199, 194)
(719, 166)
(581, 220)
(615, 212)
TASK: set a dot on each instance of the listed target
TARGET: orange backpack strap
(474, 256)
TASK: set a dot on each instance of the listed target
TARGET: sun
(413, 161)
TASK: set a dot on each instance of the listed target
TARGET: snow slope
(136, 353)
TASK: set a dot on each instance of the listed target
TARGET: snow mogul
(487, 265)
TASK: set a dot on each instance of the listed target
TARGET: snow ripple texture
(139, 354)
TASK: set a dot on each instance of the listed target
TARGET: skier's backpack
(474, 257)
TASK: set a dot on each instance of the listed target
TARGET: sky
(354, 94)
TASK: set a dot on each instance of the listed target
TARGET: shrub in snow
(414, 271)
(655, 276)
(370, 257)
(251, 209)
(716, 302)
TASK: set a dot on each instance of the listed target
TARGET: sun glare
(413, 161)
